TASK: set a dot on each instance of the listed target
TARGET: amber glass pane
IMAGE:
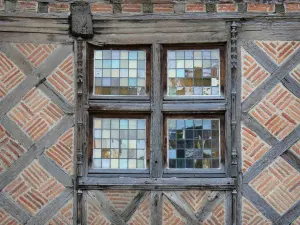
(193, 143)
(193, 72)
(119, 143)
(120, 72)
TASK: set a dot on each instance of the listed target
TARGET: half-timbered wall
(44, 114)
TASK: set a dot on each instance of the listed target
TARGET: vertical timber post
(234, 156)
(79, 122)
(81, 28)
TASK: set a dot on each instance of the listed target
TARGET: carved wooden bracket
(81, 20)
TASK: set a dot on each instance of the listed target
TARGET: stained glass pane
(119, 143)
(193, 72)
(120, 72)
(193, 143)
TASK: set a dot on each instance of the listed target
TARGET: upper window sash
(193, 72)
(120, 72)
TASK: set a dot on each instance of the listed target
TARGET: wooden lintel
(156, 183)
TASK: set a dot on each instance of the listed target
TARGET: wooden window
(119, 142)
(193, 71)
(119, 71)
(194, 141)
(119, 109)
(179, 112)
(194, 127)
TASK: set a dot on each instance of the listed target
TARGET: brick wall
(276, 115)
(37, 129)
(193, 202)
(36, 133)
(145, 7)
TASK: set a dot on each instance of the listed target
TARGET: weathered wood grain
(270, 82)
(106, 208)
(56, 171)
(260, 203)
(292, 85)
(262, 132)
(36, 149)
(156, 158)
(131, 208)
(271, 155)
(155, 183)
(13, 208)
(51, 209)
(156, 202)
(290, 216)
(292, 159)
(214, 199)
(182, 208)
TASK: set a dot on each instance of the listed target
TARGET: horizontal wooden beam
(118, 106)
(119, 171)
(195, 173)
(207, 16)
(193, 107)
(195, 16)
(33, 15)
(156, 183)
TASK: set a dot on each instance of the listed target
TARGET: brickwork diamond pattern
(142, 214)
(217, 216)
(253, 74)
(64, 216)
(62, 151)
(94, 215)
(278, 112)
(120, 199)
(35, 53)
(10, 150)
(295, 73)
(6, 219)
(279, 51)
(170, 215)
(253, 147)
(195, 199)
(252, 216)
(279, 185)
(34, 188)
(36, 114)
(62, 79)
(10, 75)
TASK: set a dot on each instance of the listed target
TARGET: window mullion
(156, 133)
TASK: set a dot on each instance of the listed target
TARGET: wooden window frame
(93, 48)
(198, 46)
(115, 172)
(193, 106)
(206, 31)
(156, 107)
(209, 172)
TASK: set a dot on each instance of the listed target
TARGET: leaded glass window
(171, 118)
(193, 143)
(119, 143)
(120, 72)
(193, 72)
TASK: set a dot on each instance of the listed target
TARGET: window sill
(156, 183)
